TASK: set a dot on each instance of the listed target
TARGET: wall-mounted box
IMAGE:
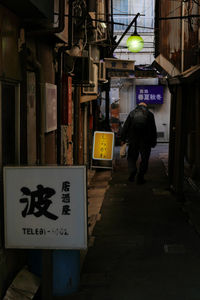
(50, 100)
(119, 64)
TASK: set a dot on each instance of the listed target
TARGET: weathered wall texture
(9, 58)
(179, 37)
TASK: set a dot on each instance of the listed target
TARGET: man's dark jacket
(140, 138)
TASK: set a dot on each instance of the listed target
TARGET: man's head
(143, 104)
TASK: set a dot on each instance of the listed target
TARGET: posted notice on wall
(45, 207)
(103, 145)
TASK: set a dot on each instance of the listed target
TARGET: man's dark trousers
(133, 154)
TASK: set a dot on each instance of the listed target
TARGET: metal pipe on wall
(112, 20)
(85, 138)
(197, 129)
(76, 124)
(107, 119)
(182, 35)
(157, 37)
(61, 22)
(61, 51)
(32, 60)
(198, 59)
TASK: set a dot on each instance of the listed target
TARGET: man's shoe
(132, 177)
(140, 179)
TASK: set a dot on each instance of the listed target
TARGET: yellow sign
(103, 145)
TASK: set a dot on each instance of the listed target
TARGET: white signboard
(45, 207)
(51, 107)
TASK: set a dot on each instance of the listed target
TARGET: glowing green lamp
(135, 42)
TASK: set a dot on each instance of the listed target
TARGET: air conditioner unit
(102, 71)
(80, 67)
(93, 87)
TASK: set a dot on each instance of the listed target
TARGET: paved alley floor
(144, 247)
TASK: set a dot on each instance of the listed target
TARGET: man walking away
(139, 131)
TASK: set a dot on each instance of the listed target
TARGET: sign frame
(94, 145)
(70, 229)
(151, 94)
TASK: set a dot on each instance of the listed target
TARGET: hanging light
(135, 42)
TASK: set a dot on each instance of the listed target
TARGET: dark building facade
(48, 111)
(177, 40)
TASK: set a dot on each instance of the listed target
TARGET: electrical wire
(172, 11)
(180, 17)
(118, 10)
(141, 14)
(105, 14)
(146, 9)
(103, 21)
(138, 26)
(197, 2)
(193, 22)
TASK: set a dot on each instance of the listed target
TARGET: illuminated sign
(150, 94)
(103, 145)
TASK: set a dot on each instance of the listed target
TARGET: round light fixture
(135, 43)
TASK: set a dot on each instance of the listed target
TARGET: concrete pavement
(144, 246)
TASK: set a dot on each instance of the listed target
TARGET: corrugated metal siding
(170, 33)
(191, 36)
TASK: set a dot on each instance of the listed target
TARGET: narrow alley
(145, 246)
(79, 79)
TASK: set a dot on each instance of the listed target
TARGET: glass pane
(144, 7)
(120, 11)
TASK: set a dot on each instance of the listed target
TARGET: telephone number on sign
(42, 231)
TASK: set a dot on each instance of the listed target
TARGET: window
(124, 7)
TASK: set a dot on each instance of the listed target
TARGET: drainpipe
(40, 113)
(61, 51)
(30, 58)
(198, 57)
(85, 135)
(112, 20)
(107, 118)
(107, 11)
(58, 29)
(76, 124)
(182, 35)
(156, 30)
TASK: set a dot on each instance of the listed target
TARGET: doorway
(10, 154)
